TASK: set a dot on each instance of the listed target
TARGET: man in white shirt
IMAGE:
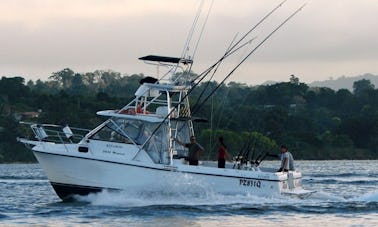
(287, 160)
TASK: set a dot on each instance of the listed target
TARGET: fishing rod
(240, 157)
(257, 159)
(240, 153)
(252, 156)
(250, 53)
(249, 150)
(257, 163)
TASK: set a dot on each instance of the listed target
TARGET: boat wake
(151, 198)
(207, 198)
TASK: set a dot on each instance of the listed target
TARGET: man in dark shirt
(194, 150)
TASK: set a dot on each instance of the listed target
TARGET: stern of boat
(291, 185)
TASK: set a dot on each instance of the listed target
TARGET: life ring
(130, 111)
(139, 109)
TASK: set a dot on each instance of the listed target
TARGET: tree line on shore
(314, 122)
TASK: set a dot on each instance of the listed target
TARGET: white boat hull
(76, 173)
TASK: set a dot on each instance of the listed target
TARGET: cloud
(327, 38)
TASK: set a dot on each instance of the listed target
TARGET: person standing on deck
(222, 153)
(287, 160)
(194, 150)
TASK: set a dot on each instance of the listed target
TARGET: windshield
(140, 131)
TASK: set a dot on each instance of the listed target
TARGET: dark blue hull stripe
(148, 167)
(66, 191)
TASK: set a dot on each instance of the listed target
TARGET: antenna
(203, 28)
(191, 31)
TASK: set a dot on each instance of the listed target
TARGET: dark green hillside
(316, 123)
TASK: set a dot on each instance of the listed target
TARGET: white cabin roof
(144, 117)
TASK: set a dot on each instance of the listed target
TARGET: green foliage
(316, 123)
(362, 86)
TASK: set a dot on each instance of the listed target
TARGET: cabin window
(133, 129)
(157, 146)
(108, 134)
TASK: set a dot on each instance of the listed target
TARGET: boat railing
(56, 133)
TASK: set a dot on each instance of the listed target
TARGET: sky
(327, 39)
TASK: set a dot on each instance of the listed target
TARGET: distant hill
(339, 83)
(345, 82)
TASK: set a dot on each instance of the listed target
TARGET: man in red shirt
(222, 153)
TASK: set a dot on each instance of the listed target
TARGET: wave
(325, 196)
(12, 177)
(370, 197)
(361, 181)
(24, 181)
(343, 175)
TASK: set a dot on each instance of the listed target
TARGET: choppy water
(347, 195)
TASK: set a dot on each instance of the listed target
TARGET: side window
(107, 134)
(133, 129)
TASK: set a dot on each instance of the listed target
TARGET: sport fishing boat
(135, 149)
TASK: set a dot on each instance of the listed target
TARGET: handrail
(55, 133)
(53, 125)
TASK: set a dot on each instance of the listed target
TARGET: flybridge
(165, 59)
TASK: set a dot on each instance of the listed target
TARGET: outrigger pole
(231, 49)
(249, 54)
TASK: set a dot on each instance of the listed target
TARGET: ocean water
(346, 195)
